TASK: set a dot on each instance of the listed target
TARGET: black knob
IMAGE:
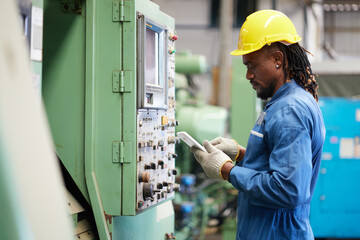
(147, 166)
(174, 171)
(161, 164)
(152, 165)
(165, 184)
(148, 190)
(159, 186)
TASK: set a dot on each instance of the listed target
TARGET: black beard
(266, 93)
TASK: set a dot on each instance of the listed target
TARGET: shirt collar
(282, 91)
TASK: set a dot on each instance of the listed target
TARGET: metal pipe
(226, 19)
(274, 4)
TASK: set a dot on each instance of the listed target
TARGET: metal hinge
(121, 152)
(119, 9)
(122, 81)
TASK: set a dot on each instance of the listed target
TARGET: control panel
(156, 119)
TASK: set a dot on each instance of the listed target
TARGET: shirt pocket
(257, 156)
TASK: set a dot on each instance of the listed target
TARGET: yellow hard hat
(265, 27)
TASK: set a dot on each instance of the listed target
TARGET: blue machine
(335, 208)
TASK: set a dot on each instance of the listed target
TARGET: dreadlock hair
(297, 64)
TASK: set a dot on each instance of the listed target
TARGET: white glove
(211, 161)
(229, 146)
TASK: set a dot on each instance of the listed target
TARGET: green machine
(109, 92)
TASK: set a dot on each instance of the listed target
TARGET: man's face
(262, 73)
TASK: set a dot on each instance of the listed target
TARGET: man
(277, 173)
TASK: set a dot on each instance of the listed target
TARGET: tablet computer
(190, 141)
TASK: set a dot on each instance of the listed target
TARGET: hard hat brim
(239, 52)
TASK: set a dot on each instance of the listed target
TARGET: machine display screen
(154, 52)
(152, 63)
(152, 57)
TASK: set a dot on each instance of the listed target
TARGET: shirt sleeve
(287, 183)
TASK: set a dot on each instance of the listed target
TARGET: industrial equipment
(109, 92)
(335, 210)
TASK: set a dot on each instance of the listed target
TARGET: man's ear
(278, 57)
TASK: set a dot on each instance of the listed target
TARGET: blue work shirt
(277, 177)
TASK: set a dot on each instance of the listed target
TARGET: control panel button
(171, 50)
(141, 144)
(161, 143)
(144, 177)
(161, 164)
(164, 120)
(173, 139)
(172, 155)
(173, 37)
(172, 172)
(176, 187)
(150, 143)
(153, 166)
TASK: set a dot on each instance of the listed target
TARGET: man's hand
(211, 161)
(230, 147)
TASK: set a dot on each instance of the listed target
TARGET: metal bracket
(121, 152)
(122, 81)
(119, 9)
